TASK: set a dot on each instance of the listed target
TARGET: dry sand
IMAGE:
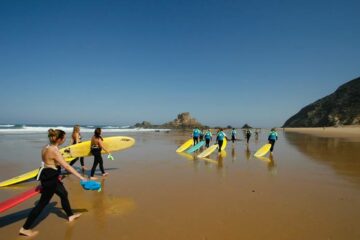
(342, 132)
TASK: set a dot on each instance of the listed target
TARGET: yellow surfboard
(211, 149)
(111, 144)
(224, 144)
(24, 177)
(208, 151)
(263, 150)
(186, 145)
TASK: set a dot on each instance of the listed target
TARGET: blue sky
(122, 62)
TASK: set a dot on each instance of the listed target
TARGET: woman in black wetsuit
(75, 139)
(50, 181)
(96, 147)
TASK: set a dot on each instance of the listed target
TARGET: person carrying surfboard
(96, 147)
(201, 135)
(196, 135)
(220, 138)
(51, 184)
(76, 138)
(273, 137)
(208, 137)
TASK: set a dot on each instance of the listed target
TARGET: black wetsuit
(272, 142)
(207, 142)
(81, 158)
(196, 140)
(51, 185)
(248, 135)
(96, 151)
(220, 142)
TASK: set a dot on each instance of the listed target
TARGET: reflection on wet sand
(219, 161)
(233, 153)
(247, 152)
(270, 163)
(338, 153)
(105, 204)
(187, 156)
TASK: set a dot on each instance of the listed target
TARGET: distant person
(96, 147)
(233, 135)
(273, 137)
(208, 138)
(50, 181)
(196, 135)
(75, 139)
(201, 135)
(248, 135)
(256, 133)
(220, 138)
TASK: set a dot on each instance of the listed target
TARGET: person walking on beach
(196, 135)
(50, 182)
(273, 137)
(233, 135)
(96, 147)
(256, 134)
(75, 139)
(208, 138)
(248, 135)
(220, 138)
(201, 135)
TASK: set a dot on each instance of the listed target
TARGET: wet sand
(308, 189)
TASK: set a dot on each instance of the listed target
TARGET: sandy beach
(342, 132)
(308, 189)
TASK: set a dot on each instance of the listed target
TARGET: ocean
(37, 128)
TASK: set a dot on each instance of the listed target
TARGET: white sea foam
(7, 125)
(43, 129)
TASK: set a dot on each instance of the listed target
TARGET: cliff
(339, 108)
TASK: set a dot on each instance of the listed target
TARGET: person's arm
(100, 142)
(77, 138)
(59, 158)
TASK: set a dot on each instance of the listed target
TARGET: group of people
(96, 147)
(199, 135)
(50, 174)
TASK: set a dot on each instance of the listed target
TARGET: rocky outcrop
(144, 124)
(183, 120)
(246, 126)
(339, 108)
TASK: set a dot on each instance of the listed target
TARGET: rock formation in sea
(183, 121)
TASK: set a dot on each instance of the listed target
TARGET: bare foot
(75, 216)
(93, 178)
(28, 232)
(105, 174)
